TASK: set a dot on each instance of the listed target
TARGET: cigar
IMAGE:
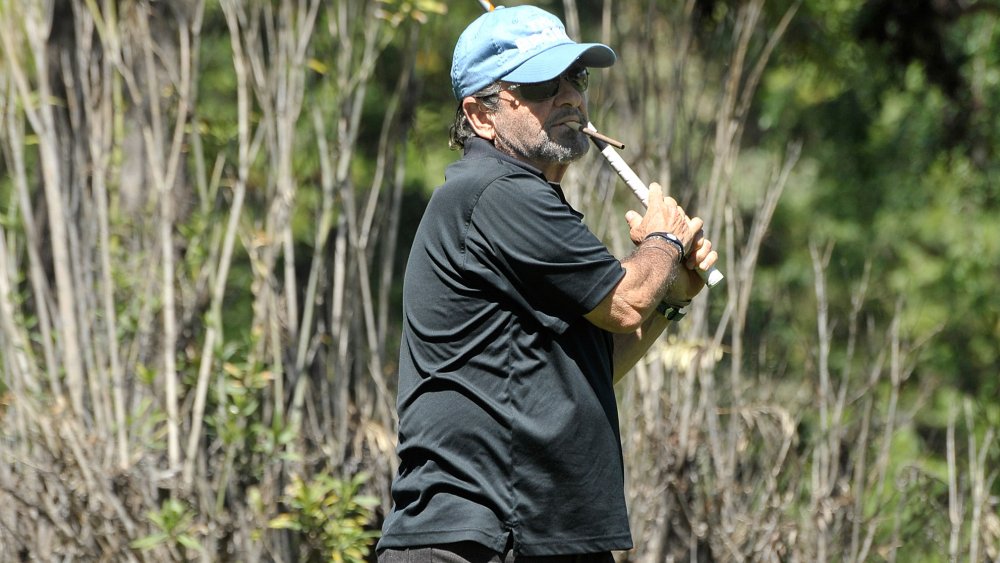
(599, 136)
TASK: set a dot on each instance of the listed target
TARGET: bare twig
(36, 22)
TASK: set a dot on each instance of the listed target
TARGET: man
(518, 320)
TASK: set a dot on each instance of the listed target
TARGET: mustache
(566, 115)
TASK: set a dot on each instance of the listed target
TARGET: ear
(479, 118)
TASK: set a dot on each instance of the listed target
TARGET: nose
(568, 95)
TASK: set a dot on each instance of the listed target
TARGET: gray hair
(461, 130)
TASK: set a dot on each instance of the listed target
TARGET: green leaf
(189, 542)
(150, 541)
(317, 66)
(284, 522)
(367, 501)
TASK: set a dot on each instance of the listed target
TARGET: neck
(554, 171)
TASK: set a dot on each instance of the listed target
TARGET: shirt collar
(477, 147)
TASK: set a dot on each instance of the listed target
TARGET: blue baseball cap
(520, 44)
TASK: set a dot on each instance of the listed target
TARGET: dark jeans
(472, 552)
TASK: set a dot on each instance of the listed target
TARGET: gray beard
(541, 147)
(552, 151)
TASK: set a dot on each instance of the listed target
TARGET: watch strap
(672, 311)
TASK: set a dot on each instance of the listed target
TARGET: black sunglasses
(578, 77)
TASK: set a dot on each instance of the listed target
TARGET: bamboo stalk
(42, 122)
(881, 464)
(214, 328)
(954, 503)
(100, 157)
(17, 349)
(319, 244)
(39, 283)
(152, 133)
(976, 477)
(86, 128)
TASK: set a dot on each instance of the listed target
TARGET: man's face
(537, 130)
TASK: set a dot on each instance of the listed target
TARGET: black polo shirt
(508, 426)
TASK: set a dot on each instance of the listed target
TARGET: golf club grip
(713, 276)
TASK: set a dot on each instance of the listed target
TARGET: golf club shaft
(712, 276)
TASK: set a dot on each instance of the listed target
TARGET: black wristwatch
(673, 312)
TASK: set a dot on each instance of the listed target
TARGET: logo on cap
(545, 33)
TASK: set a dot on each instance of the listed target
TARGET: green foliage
(901, 148)
(398, 11)
(174, 524)
(331, 516)
(240, 394)
(148, 422)
(236, 416)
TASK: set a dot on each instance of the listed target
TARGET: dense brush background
(205, 209)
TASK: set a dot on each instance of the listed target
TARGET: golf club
(607, 146)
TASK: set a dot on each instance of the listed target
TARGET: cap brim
(554, 61)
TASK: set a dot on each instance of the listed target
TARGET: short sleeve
(534, 249)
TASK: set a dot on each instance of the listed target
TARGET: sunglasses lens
(579, 78)
(538, 91)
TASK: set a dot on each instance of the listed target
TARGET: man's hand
(665, 215)
(689, 282)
